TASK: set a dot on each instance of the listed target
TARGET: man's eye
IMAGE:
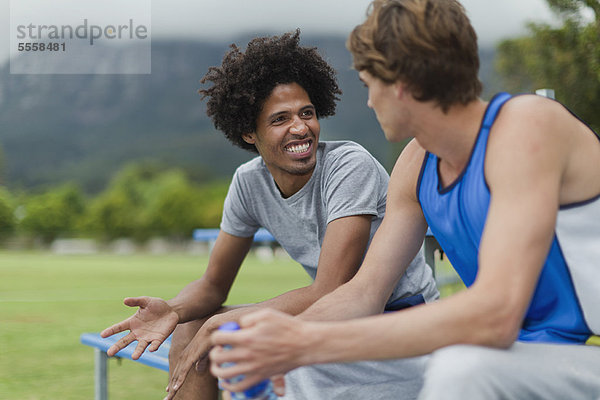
(307, 113)
(277, 120)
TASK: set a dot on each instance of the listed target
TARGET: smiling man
(322, 201)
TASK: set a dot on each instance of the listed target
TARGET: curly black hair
(244, 81)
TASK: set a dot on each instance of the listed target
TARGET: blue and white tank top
(566, 302)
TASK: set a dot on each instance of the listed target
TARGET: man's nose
(298, 127)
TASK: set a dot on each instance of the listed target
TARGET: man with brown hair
(511, 190)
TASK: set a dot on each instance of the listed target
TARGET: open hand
(152, 323)
(194, 355)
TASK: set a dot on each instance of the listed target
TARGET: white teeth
(298, 149)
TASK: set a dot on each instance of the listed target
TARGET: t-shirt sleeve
(355, 184)
(237, 217)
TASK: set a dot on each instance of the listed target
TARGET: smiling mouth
(298, 148)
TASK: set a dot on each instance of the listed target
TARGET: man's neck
(451, 136)
(289, 185)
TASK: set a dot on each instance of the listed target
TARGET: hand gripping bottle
(261, 391)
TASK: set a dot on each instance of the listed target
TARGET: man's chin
(302, 169)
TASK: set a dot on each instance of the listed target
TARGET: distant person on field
(511, 190)
(322, 201)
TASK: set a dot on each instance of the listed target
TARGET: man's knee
(459, 371)
(183, 335)
(449, 364)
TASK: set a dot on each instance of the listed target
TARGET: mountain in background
(84, 128)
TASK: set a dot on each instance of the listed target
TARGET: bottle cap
(257, 389)
(230, 326)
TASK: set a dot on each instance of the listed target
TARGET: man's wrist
(314, 343)
(177, 308)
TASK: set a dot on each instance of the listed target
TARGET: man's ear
(249, 138)
(399, 89)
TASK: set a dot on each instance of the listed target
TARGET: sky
(225, 19)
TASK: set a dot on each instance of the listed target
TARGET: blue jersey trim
(577, 117)
(489, 116)
(423, 164)
(503, 102)
(579, 203)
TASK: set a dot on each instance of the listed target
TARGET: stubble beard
(302, 167)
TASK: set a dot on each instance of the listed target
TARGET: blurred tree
(210, 203)
(119, 211)
(54, 212)
(175, 212)
(566, 58)
(7, 214)
(143, 200)
(179, 207)
(2, 167)
(574, 7)
(112, 215)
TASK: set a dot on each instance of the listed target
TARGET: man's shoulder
(405, 175)
(410, 160)
(251, 166)
(336, 151)
(532, 126)
(531, 115)
(340, 146)
(251, 176)
(351, 163)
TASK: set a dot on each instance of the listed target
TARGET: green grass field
(47, 301)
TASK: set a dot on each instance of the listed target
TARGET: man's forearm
(197, 300)
(295, 301)
(200, 299)
(292, 302)
(460, 319)
(345, 302)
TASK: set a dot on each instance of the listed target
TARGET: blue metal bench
(210, 236)
(160, 358)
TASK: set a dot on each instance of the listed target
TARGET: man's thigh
(524, 371)
(377, 380)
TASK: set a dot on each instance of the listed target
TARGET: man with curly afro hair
(244, 81)
(322, 201)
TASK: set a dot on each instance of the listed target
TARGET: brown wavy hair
(246, 79)
(428, 45)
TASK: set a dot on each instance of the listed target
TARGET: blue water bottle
(261, 391)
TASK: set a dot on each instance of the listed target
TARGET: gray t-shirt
(346, 181)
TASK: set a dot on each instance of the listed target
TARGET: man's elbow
(503, 334)
(498, 326)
